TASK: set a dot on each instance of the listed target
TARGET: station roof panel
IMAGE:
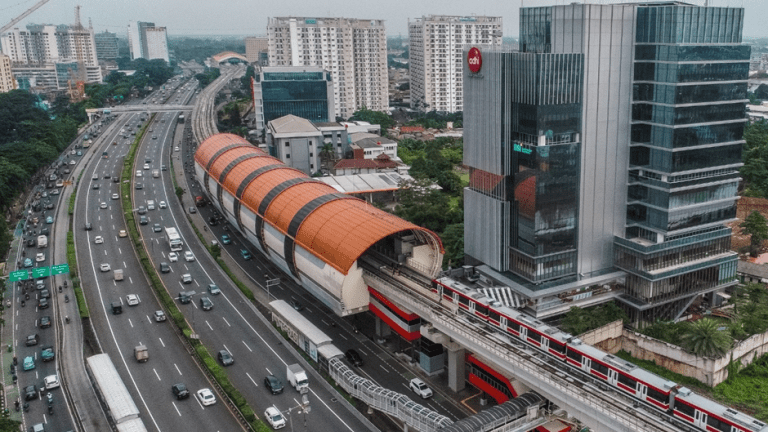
(225, 158)
(285, 206)
(212, 144)
(241, 171)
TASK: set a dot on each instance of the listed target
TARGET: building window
(287, 156)
(287, 144)
(311, 154)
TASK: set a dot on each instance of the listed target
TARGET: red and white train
(659, 393)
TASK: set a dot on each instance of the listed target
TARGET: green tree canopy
(578, 320)
(755, 157)
(373, 117)
(706, 338)
(755, 226)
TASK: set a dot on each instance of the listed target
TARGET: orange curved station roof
(338, 231)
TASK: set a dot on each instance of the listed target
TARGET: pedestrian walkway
(7, 345)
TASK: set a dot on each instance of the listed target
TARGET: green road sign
(41, 272)
(18, 275)
(59, 269)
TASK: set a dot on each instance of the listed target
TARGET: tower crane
(22, 16)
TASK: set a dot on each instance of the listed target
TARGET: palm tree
(327, 156)
(704, 338)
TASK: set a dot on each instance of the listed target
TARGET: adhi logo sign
(474, 60)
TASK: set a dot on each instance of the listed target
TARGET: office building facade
(620, 130)
(305, 92)
(7, 83)
(147, 41)
(254, 47)
(436, 53)
(353, 50)
(106, 46)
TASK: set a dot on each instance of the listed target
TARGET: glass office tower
(607, 151)
(305, 92)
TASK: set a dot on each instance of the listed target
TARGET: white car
(173, 257)
(176, 148)
(122, 233)
(420, 388)
(189, 256)
(115, 196)
(105, 267)
(206, 396)
(146, 166)
(274, 417)
(132, 299)
(163, 205)
(103, 205)
(138, 173)
(40, 257)
(160, 316)
(51, 382)
(98, 240)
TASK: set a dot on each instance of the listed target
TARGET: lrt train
(657, 392)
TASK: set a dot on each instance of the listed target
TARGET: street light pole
(271, 283)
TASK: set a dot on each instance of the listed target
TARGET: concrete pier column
(456, 366)
(382, 329)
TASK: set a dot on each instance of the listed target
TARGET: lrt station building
(604, 158)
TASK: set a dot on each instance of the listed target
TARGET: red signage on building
(474, 60)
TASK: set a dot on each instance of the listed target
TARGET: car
(107, 176)
(273, 384)
(146, 166)
(43, 303)
(132, 299)
(32, 339)
(157, 228)
(45, 231)
(164, 267)
(143, 220)
(66, 171)
(98, 240)
(173, 257)
(27, 262)
(115, 196)
(55, 192)
(180, 391)
(94, 178)
(29, 363)
(49, 220)
(72, 162)
(213, 289)
(44, 194)
(245, 254)
(193, 209)
(142, 210)
(103, 205)
(30, 392)
(176, 148)
(212, 221)
(95, 186)
(226, 358)
(47, 353)
(189, 256)
(45, 322)
(160, 316)
(206, 396)
(122, 233)
(105, 267)
(186, 278)
(79, 153)
(88, 226)
(420, 388)
(225, 239)
(163, 168)
(139, 186)
(162, 204)
(45, 294)
(205, 303)
(153, 137)
(274, 417)
(353, 357)
(116, 179)
(51, 382)
(31, 242)
(40, 257)
(295, 304)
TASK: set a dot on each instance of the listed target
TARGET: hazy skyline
(241, 17)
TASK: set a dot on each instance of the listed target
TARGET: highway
(169, 362)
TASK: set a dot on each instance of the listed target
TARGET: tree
(755, 157)
(755, 226)
(704, 338)
(453, 241)
(373, 117)
(578, 320)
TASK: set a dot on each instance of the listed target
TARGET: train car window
(482, 310)
(434, 285)
(657, 395)
(492, 314)
(554, 345)
(573, 355)
(628, 381)
(685, 409)
(600, 368)
(513, 325)
(717, 424)
(463, 300)
(532, 335)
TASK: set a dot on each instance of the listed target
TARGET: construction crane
(22, 16)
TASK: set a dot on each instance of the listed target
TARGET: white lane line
(177, 369)
(385, 369)
(130, 322)
(246, 345)
(269, 371)
(120, 251)
(161, 342)
(209, 325)
(250, 378)
(225, 320)
(177, 409)
(342, 336)
(157, 375)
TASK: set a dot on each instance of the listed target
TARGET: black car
(31, 243)
(206, 304)
(180, 391)
(43, 303)
(45, 231)
(273, 384)
(45, 322)
(32, 339)
(212, 220)
(30, 392)
(139, 186)
(296, 304)
(116, 179)
(353, 357)
(143, 220)
(108, 176)
(88, 226)
(226, 358)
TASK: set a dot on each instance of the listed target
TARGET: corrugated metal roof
(291, 124)
(511, 410)
(302, 325)
(366, 182)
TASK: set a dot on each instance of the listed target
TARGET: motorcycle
(22, 303)
(66, 319)
(59, 288)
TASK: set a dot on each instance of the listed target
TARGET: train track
(204, 112)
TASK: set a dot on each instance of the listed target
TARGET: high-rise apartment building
(604, 155)
(255, 46)
(353, 50)
(436, 57)
(147, 41)
(7, 83)
(46, 44)
(106, 45)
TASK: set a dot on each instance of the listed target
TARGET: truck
(174, 240)
(42, 241)
(118, 274)
(298, 378)
(141, 353)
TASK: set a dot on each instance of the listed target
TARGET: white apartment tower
(354, 50)
(147, 41)
(436, 44)
(47, 44)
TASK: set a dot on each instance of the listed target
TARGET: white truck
(174, 239)
(298, 378)
(42, 241)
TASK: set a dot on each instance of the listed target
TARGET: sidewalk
(10, 388)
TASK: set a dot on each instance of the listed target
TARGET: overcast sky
(249, 17)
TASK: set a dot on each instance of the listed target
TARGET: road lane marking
(156, 374)
(209, 325)
(177, 409)
(130, 322)
(246, 345)
(252, 380)
(177, 369)
(269, 371)
(225, 320)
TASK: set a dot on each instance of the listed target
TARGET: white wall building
(46, 44)
(354, 50)
(147, 41)
(436, 43)
(7, 83)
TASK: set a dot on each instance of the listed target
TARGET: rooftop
(291, 124)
